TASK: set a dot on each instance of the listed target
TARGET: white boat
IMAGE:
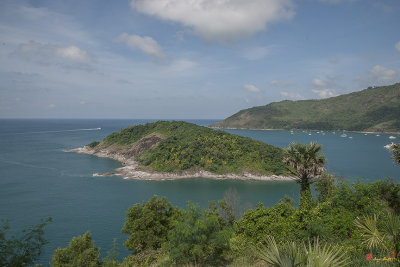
(392, 137)
(351, 137)
(343, 135)
(378, 135)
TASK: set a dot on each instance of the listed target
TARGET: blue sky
(182, 59)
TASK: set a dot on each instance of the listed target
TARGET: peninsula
(172, 150)
(371, 110)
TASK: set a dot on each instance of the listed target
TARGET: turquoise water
(38, 179)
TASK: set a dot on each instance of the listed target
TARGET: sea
(39, 179)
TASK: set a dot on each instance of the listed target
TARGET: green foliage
(390, 193)
(307, 162)
(80, 252)
(189, 147)
(324, 186)
(146, 258)
(287, 255)
(24, 249)
(331, 219)
(385, 236)
(198, 238)
(374, 109)
(257, 223)
(112, 256)
(320, 233)
(370, 233)
(292, 254)
(93, 144)
(396, 152)
(148, 224)
(325, 255)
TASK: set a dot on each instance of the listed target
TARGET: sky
(189, 59)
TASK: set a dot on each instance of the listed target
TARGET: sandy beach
(131, 170)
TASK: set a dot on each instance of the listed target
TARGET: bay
(39, 179)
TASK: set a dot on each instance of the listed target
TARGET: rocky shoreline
(131, 170)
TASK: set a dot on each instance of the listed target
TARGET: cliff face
(373, 109)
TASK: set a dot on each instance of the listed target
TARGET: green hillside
(180, 146)
(373, 109)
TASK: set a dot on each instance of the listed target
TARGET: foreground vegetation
(335, 225)
(372, 109)
(180, 146)
(342, 224)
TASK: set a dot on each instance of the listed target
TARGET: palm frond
(325, 256)
(288, 255)
(370, 232)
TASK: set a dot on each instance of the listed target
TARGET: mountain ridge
(374, 109)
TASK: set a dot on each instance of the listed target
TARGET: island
(175, 149)
(375, 109)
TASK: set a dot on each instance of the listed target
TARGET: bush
(80, 252)
(148, 224)
(198, 238)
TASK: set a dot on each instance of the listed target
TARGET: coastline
(314, 130)
(131, 170)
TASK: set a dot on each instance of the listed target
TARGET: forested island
(372, 110)
(177, 149)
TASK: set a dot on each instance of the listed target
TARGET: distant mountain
(374, 109)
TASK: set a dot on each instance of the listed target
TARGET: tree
(148, 224)
(325, 186)
(22, 250)
(198, 238)
(396, 152)
(80, 252)
(307, 162)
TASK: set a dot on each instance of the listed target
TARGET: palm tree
(307, 162)
(387, 237)
(292, 254)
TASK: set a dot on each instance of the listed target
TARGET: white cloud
(382, 74)
(73, 53)
(397, 46)
(292, 95)
(145, 44)
(53, 53)
(281, 83)
(224, 21)
(322, 87)
(251, 88)
(324, 93)
(318, 82)
(52, 106)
